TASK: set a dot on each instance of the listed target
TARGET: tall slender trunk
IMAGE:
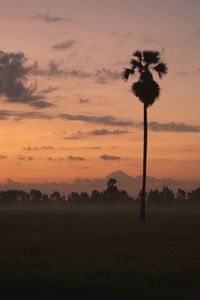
(143, 195)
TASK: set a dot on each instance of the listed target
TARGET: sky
(66, 113)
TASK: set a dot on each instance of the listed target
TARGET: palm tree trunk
(143, 195)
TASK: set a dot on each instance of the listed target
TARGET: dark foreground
(46, 254)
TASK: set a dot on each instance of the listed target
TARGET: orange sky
(90, 42)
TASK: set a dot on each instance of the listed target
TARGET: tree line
(110, 195)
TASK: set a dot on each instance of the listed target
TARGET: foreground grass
(99, 255)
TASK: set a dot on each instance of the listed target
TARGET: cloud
(76, 136)
(97, 132)
(54, 69)
(122, 35)
(2, 157)
(26, 158)
(64, 45)
(62, 148)
(13, 76)
(108, 120)
(49, 19)
(109, 157)
(174, 127)
(38, 148)
(84, 100)
(105, 120)
(50, 89)
(19, 115)
(150, 40)
(102, 75)
(76, 158)
(42, 104)
(197, 32)
(191, 72)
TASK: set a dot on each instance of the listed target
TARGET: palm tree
(147, 90)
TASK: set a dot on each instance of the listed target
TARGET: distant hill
(124, 181)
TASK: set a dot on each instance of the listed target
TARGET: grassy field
(60, 254)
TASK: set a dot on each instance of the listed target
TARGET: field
(74, 254)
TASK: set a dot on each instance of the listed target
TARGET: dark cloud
(42, 104)
(64, 45)
(76, 158)
(96, 132)
(109, 157)
(84, 100)
(13, 76)
(26, 158)
(174, 127)
(2, 157)
(49, 19)
(105, 120)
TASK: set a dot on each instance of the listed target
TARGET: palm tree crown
(144, 63)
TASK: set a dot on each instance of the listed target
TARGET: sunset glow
(84, 122)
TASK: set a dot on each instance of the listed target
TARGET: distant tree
(124, 197)
(194, 196)
(35, 196)
(45, 198)
(147, 90)
(111, 184)
(73, 197)
(84, 197)
(55, 197)
(95, 196)
(154, 196)
(181, 195)
(167, 195)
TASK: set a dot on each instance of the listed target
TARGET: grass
(47, 254)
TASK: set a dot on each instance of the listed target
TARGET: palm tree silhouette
(147, 90)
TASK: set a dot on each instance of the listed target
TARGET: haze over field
(74, 117)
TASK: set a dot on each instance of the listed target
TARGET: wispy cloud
(38, 148)
(76, 158)
(109, 157)
(173, 127)
(26, 158)
(105, 120)
(47, 18)
(84, 100)
(62, 148)
(101, 75)
(50, 89)
(69, 158)
(20, 115)
(104, 131)
(92, 133)
(2, 157)
(64, 45)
